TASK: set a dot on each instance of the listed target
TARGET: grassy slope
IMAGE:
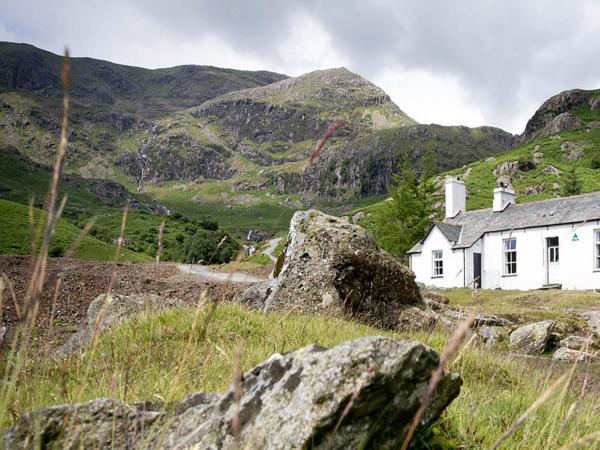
(481, 182)
(137, 360)
(16, 237)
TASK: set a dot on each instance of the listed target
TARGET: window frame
(597, 250)
(506, 263)
(437, 272)
(553, 250)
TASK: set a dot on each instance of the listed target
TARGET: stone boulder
(575, 342)
(360, 394)
(570, 355)
(108, 310)
(489, 336)
(553, 170)
(532, 338)
(592, 319)
(436, 297)
(331, 266)
(595, 102)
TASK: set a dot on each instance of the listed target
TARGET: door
(552, 260)
(477, 270)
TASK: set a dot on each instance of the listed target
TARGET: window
(552, 244)
(510, 256)
(438, 263)
(597, 249)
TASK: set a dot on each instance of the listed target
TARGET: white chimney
(456, 197)
(502, 198)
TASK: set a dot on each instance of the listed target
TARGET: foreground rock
(107, 310)
(532, 338)
(297, 400)
(331, 266)
(570, 355)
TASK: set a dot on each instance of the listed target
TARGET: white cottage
(546, 244)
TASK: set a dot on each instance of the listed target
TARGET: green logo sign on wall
(575, 237)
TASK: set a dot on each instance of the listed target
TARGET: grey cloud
(507, 55)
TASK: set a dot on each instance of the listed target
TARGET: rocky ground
(82, 281)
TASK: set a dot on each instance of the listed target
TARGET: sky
(470, 62)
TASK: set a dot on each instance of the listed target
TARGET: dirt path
(221, 277)
(271, 248)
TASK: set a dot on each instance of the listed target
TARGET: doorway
(552, 260)
(477, 270)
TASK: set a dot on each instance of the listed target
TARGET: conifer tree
(405, 218)
(571, 183)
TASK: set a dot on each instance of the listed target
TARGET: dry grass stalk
(316, 151)
(159, 250)
(438, 373)
(368, 377)
(13, 295)
(532, 408)
(82, 234)
(52, 212)
(237, 391)
(113, 276)
(584, 442)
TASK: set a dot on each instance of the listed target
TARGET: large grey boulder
(108, 310)
(360, 394)
(570, 355)
(331, 266)
(576, 342)
(592, 319)
(532, 338)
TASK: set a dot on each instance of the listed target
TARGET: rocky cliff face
(557, 114)
(365, 166)
(254, 130)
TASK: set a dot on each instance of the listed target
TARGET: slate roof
(452, 232)
(556, 211)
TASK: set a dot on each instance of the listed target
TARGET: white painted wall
(422, 263)
(575, 269)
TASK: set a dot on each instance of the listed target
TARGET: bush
(56, 251)
(571, 183)
(526, 164)
(208, 223)
(203, 247)
(595, 164)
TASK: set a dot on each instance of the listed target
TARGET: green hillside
(16, 237)
(536, 169)
(535, 179)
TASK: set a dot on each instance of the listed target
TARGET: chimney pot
(503, 196)
(456, 197)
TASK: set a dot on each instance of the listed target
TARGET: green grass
(138, 361)
(16, 237)
(481, 182)
(260, 259)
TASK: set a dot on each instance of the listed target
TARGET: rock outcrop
(555, 115)
(532, 338)
(331, 266)
(108, 310)
(362, 393)
(570, 355)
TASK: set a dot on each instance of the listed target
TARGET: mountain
(231, 144)
(562, 136)
(101, 86)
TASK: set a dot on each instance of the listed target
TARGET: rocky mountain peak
(556, 114)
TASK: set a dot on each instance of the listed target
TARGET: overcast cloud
(469, 62)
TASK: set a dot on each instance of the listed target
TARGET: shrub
(526, 164)
(203, 246)
(595, 164)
